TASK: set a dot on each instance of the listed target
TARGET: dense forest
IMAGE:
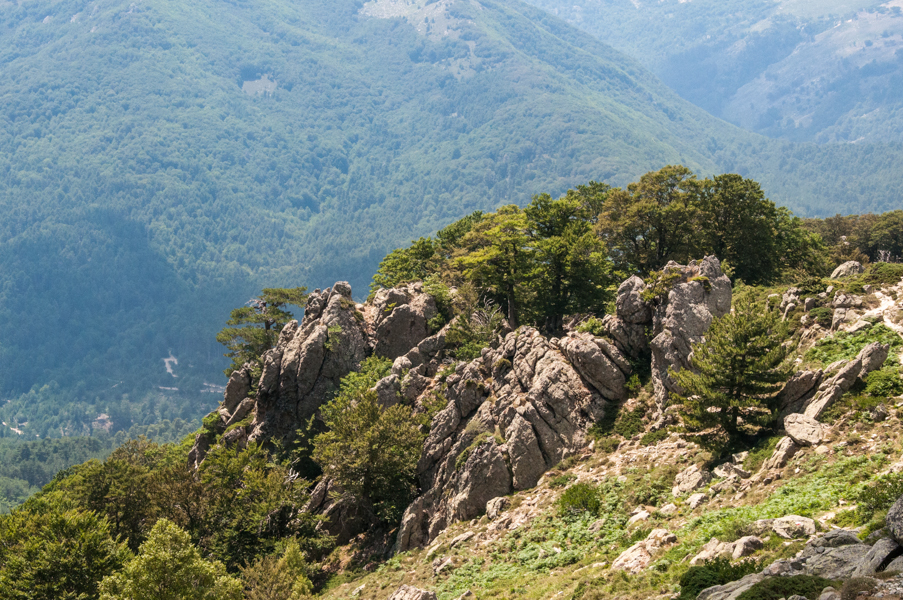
(805, 71)
(147, 190)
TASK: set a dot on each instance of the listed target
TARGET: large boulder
(798, 389)
(847, 269)
(639, 556)
(402, 319)
(691, 478)
(804, 430)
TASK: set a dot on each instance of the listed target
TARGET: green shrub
(855, 586)
(844, 345)
(761, 452)
(561, 480)
(592, 325)
(776, 588)
(884, 383)
(633, 384)
(811, 286)
(822, 315)
(653, 437)
(877, 274)
(879, 496)
(579, 499)
(717, 571)
(616, 420)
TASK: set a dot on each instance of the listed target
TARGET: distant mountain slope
(802, 70)
(160, 161)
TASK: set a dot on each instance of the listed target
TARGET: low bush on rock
(717, 571)
(845, 346)
(578, 499)
(775, 588)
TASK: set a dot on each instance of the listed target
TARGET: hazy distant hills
(160, 161)
(825, 71)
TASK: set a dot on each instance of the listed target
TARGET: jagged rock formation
(511, 415)
(676, 319)
(311, 358)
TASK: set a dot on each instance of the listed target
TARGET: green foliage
(278, 578)
(878, 274)
(760, 452)
(578, 499)
(592, 325)
(775, 588)
(822, 315)
(254, 328)
(853, 587)
(737, 370)
(562, 480)
(876, 498)
(169, 567)
(717, 571)
(51, 549)
(371, 451)
(626, 423)
(884, 382)
(651, 438)
(844, 345)
(440, 293)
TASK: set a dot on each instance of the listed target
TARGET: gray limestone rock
(783, 452)
(629, 305)
(237, 389)
(804, 430)
(847, 269)
(701, 293)
(878, 557)
(407, 592)
(869, 358)
(895, 520)
(592, 363)
(732, 590)
(496, 506)
(402, 320)
(691, 478)
(801, 386)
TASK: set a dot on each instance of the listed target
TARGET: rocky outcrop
(691, 478)
(699, 293)
(511, 415)
(798, 390)
(783, 452)
(870, 358)
(311, 358)
(682, 304)
(847, 269)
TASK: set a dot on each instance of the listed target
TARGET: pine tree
(736, 371)
(255, 327)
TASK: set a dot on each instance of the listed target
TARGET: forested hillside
(160, 162)
(818, 71)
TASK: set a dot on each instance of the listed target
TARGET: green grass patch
(844, 345)
(713, 572)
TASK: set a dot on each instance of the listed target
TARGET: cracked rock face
(511, 415)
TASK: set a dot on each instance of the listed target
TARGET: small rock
(691, 478)
(746, 545)
(809, 304)
(668, 509)
(822, 449)
(407, 592)
(784, 451)
(496, 506)
(697, 499)
(640, 516)
(460, 539)
(829, 593)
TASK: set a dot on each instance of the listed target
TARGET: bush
(717, 571)
(653, 437)
(884, 383)
(844, 345)
(776, 588)
(855, 586)
(881, 273)
(592, 325)
(822, 315)
(879, 496)
(579, 499)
